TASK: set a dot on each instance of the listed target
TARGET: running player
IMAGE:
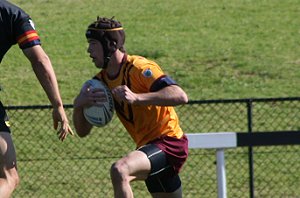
(144, 99)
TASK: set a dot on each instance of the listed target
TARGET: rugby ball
(100, 115)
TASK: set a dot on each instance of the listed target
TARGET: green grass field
(213, 49)
(229, 49)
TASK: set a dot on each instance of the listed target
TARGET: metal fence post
(221, 173)
(250, 149)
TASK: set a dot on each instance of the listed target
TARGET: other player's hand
(59, 117)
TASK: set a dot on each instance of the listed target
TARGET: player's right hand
(60, 118)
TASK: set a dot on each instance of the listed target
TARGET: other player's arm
(43, 69)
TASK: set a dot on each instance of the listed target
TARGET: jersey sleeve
(15, 27)
(21, 28)
(26, 35)
(162, 82)
(153, 78)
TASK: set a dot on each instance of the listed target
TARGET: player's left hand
(59, 117)
(123, 93)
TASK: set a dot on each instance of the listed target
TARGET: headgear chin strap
(111, 35)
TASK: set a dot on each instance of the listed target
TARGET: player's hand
(123, 93)
(59, 117)
(90, 96)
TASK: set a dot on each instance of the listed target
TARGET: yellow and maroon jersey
(144, 123)
(16, 27)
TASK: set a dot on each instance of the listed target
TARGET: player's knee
(118, 172)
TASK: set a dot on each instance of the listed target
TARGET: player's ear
(113, 46)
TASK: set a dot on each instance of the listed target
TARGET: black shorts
(162, 177)
(4, 121)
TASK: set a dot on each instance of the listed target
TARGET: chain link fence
(79, 167)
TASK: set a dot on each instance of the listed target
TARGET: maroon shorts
(176, 150)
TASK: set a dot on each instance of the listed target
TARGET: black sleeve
(162, 82)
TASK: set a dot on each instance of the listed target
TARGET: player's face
(95, 50)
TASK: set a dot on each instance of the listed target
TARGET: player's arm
(43, 69)
(87, 97)
(82, 126)
(159, 89)
(170, 95)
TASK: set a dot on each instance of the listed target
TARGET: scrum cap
(110, 33)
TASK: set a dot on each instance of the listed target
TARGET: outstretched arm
(43, 69)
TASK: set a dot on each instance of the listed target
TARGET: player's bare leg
(134, 166)
(9, 178)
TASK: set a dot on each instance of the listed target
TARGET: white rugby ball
(100, 115)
